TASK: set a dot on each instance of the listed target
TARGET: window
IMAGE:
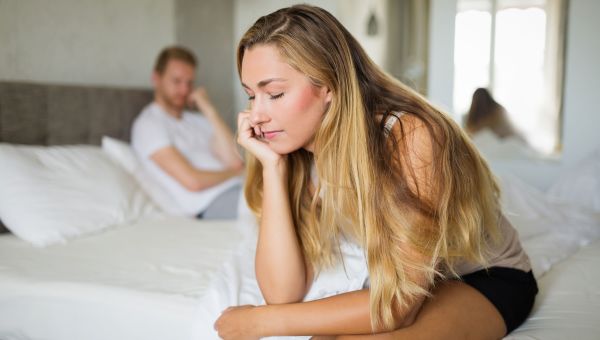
(515, 49)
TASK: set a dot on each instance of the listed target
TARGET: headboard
(49, 114)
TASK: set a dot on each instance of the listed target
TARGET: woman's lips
(271, 134)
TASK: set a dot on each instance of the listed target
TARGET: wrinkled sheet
(169, 278)
(138, 281)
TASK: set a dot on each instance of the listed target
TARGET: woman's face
(285, 107)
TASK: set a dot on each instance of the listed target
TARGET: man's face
(175, 84)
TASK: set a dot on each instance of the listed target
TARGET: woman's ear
(328, 94)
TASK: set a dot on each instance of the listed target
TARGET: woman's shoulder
(405, 126)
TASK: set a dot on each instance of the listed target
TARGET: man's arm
(170, 160)
(223, 146)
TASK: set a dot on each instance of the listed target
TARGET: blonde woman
(337, 149)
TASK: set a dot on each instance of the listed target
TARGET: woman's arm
(349, 313)
(346, 313)
(280, 266)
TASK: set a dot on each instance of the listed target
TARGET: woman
(338, 150)
(486, 113)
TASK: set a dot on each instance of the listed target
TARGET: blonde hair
(362, 180)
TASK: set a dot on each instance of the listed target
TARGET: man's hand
(199, 97)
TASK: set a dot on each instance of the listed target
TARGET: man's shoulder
(151, 112)
(150, 119)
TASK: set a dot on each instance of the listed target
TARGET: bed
(140, 271)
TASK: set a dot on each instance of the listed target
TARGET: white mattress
(568, 305)
(140, 281)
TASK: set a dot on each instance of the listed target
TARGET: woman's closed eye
(276, 96)
(273, 97)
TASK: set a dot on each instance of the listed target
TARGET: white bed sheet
(568, 304)
(163, 277)
(139, 281)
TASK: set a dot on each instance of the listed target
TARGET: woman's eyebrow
(265, 82)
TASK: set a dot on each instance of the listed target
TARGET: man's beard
(172, 104)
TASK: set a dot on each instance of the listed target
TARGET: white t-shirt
(192, 136)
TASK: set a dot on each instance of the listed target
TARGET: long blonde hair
(362, 189)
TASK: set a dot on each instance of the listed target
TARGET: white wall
(581, 121)
(440, 80)
(109, 42)
(581, 116)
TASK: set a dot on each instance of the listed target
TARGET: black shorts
(511, 291)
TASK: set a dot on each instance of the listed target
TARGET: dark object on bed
(49, 114)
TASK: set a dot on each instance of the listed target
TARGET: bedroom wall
(207, 28)
(581, 119)
(111, 42)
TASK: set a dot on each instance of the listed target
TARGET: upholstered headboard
(49, 114)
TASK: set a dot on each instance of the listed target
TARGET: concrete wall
(109, 42)
(207, 28)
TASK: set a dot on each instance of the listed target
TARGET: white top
(192, 136)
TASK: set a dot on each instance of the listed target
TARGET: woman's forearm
(343, 314)
(346, 313)
(280, 266)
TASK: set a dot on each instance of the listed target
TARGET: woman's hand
(250, 137)
(239, 323)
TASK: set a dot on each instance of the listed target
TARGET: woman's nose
(258, 115)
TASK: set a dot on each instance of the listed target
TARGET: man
(194, 157)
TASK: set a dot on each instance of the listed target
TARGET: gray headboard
(49, 114)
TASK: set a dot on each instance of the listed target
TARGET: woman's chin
(282, 148)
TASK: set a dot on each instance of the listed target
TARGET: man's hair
(173, 52)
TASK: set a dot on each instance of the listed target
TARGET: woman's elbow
(285, 298)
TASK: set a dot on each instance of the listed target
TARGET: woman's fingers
(258, 132)
(250, 137)
(245, 131)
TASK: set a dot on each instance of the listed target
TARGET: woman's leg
(455, 311)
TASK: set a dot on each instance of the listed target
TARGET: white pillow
(52, 194)
(122, 153)
(581, 185)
